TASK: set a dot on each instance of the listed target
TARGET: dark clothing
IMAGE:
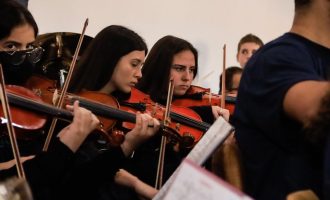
(27, 146)
(278, 159)
(45, 170)
(142, 164)
(326, 170)
(94, 168)
(145, 159)
(60, 174)
(85, 179)
(205, 112)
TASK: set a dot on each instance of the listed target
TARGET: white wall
(207, 24)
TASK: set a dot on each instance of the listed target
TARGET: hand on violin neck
(145, 127)
(84, 122)
(217, 112)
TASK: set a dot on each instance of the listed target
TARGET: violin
(33, 116)
(186, 126)
(184, 120)
(199, 96)
(104, 106)
(29, 112)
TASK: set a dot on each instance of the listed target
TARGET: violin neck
(39, 107)
(105, 110)
(189, 121)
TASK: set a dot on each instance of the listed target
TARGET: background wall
(207, 24)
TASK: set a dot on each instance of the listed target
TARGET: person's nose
(138, 73)
(186, 76)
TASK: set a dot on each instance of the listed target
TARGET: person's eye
(244, 51)
(179, 69)
(135, 64)
(192, 69)
(11, 47)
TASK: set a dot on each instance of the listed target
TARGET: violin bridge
(55, 97)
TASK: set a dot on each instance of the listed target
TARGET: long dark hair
(157, 67)
(13, 14)
(98, 62)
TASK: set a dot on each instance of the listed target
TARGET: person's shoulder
(283, 43)
(290, 43)
(289, 46)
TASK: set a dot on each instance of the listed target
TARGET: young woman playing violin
(45, 171)
(169, 57)
(174, 58)
(110, 65)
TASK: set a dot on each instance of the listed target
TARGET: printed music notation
(190, 181)
(214, 137)
(193, 183)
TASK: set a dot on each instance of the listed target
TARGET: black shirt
(278, 159)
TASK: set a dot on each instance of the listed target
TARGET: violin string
(190, 122)
(39, 107)
(106, 111)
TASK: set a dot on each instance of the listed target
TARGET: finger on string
(72, 107)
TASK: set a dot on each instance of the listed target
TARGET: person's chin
(127, 89)
(180, 93)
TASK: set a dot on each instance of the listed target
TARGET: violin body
(47, 91)
(183, 120)
(25, 121)
(198, 96)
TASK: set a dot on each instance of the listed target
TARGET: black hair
(157, 67)
(13, 14)
(99, 60)
(230, 72)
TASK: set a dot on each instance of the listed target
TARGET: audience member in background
(246, 47)
(233, 78)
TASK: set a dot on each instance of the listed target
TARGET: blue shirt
(277, 157)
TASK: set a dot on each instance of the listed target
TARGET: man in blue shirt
(284, 93)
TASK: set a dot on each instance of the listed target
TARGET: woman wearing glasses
(45, 170)
(17, 58)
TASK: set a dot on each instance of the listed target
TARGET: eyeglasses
(17, 57)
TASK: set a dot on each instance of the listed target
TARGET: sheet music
(194, 183)
(216, 135)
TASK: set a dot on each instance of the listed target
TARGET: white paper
(195, 183)
(215, 136)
